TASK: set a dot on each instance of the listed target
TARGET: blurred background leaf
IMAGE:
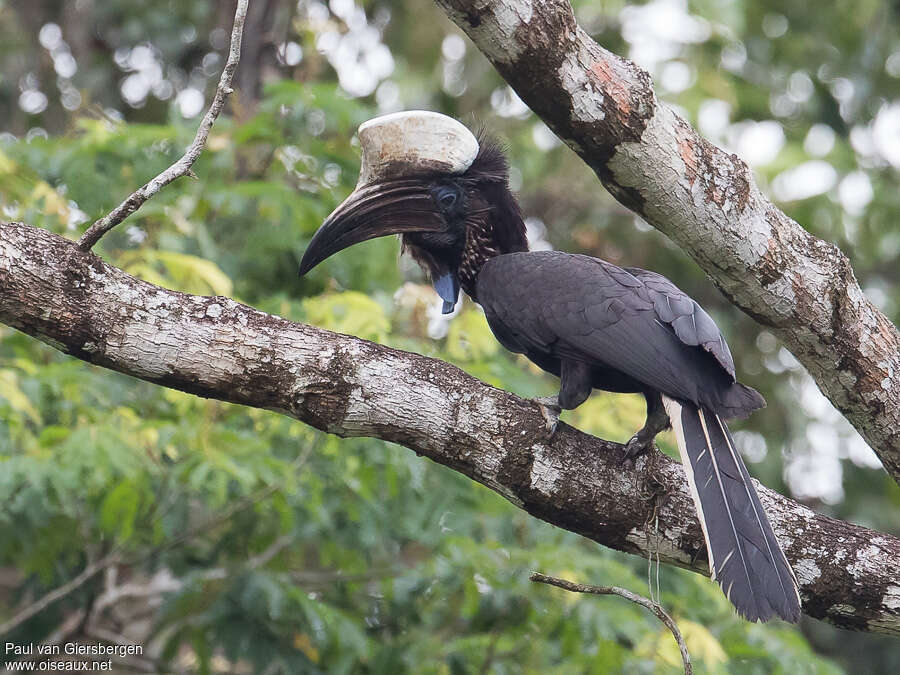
(383, 562)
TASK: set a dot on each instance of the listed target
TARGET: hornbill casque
(594, 325)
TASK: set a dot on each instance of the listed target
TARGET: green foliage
(349, 312)
(382, 561)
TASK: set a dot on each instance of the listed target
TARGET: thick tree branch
(218, 348)
(802, 288)
(183, 166)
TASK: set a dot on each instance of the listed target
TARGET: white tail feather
(741, 562)
(673, 409)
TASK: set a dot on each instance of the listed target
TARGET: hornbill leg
(657, 420)
(575, 386)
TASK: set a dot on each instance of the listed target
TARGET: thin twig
(276, 547)
(183, 166)
(46, 600)
(628, 595)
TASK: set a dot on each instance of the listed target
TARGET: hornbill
(594, 325)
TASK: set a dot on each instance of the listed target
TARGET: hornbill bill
(427, 178)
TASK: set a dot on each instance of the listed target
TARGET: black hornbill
(592, 324)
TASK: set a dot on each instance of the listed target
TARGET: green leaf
(119, 510)
(349, 312)
(15, 397)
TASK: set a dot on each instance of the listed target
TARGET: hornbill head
(427, 178)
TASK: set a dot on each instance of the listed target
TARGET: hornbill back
(593, 324)
(639, 323)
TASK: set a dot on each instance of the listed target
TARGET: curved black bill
(390, 207)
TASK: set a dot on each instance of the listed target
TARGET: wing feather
(582, 308)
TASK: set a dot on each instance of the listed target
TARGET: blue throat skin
(447, 286)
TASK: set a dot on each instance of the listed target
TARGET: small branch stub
(183, 166)
(628, 595)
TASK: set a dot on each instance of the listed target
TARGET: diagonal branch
(218, 348)
(70, 586)
(183, 166)
(802, 288)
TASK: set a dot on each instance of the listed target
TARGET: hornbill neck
(474, 217)
(479, 248)
(494, 224)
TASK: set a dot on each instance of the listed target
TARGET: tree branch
(654, 607)
(46, 600)
(183, 166)
(802, 288)
(71, 625)
(217, 348)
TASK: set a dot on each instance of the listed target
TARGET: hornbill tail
(744, 556)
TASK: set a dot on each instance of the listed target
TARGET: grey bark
(800, 287)
(218, 348)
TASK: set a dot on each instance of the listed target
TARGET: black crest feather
(490, 164)
(490, 173)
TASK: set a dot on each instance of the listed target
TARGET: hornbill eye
(447, 197)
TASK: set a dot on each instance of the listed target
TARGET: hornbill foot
(551, 410)
(643, 440)
(637, 445)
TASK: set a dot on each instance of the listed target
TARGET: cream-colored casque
(417, 139)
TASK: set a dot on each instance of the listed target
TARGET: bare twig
(69, 626)
(264, 558)
(132, 662)
(160, 583)
(183, 166)
(628, 595)
(46, 600)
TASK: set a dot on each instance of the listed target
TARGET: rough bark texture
(218, 348)
(802, 288)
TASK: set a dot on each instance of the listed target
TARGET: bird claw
(551, 410)
(637, 446)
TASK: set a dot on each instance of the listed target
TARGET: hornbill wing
(581, 308)
(691, 323)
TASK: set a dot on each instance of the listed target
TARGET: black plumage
(596, 326)
(630, 330)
